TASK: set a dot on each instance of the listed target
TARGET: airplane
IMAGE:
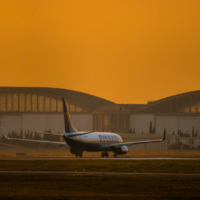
(88, 141)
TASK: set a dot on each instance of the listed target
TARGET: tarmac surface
(99, 158)
(61, 173)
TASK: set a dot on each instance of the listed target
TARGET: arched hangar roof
(85, 101)
(185, 103)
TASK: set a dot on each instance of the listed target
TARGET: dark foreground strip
(98, 174)
(99, 158)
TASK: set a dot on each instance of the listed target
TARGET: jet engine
(121, 150)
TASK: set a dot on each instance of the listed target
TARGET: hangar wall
(42, 122)
(82, 122)
(141, 123)
(175, 123)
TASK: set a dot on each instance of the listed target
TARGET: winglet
(164, 136)
(4, 133)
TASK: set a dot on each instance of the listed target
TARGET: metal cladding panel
(184, 140)
(196, 142)
(187, 123)
(11, 122)
(34, 122)
(82, 122)
(42, 122)
(175, 123)
(168, 122)
(141, 123)
(55, 122)
(172, 140)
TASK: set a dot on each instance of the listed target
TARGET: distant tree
(175, 146)
(130, 130)
(21, 134)
(196, 134)
(154, 130)
(193, 131)
(185, 147)
(26, 135)
(150, 128)
(31, 136)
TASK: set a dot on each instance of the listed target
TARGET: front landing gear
(104, 155)
(79, 154)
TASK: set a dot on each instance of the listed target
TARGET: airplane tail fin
(69, 128)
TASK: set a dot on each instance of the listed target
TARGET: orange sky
(126, 51)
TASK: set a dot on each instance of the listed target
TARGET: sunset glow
(126, 51)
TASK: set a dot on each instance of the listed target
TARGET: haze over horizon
(120, 50)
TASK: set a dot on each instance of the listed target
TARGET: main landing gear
(79, 154)
(104, 155)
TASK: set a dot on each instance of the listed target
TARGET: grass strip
(97, 187)
(146, 166)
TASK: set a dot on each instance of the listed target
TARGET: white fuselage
(96, 137)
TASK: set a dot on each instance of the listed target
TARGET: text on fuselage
(108, 138)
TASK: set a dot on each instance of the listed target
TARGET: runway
(67, 173)
(99, 158)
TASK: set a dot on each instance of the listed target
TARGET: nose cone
(120, 139)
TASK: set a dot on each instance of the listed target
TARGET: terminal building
(38, 108)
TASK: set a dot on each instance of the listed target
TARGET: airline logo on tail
(66, 115)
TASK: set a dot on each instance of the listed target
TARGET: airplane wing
(60, 144)
(132, 143)
(45, 133)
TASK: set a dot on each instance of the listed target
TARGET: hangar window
(174, 105)
(59, 106)
(28, 102)
(167, 107)
(194, 105)
(106, 122)
(47, 104)
(78, 109)
(53, 105)
(71, 108)
(34, 103)
(187, 105)
(121, 123)
(162, 108)
(98, 122)
(113, 122)
(9, 102)
(180, 105)
(194, 108)
(21, 102)
(40, 103)
(15, 102)
(2, 102)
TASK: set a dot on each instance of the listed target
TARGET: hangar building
(38, 108)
